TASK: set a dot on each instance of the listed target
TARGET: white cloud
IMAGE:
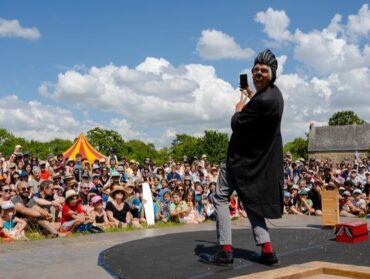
(275, 24)
(154, 94)
(359, 25)
(335, 69)
(125, 130)
(12, 28)
(34, 120)
(37, 121)
(326, 52)
(215, 45)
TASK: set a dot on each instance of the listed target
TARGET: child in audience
(73, 214)
(165, 207)
(178, 208)
(192, 215)
(12, 226)
(98, 214)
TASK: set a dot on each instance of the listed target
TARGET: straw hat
(71, 193)
(119, 189)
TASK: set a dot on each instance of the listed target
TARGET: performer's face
(261, 76)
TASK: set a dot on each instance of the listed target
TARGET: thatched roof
(339, 138)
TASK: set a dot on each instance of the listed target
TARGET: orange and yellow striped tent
(83, 147)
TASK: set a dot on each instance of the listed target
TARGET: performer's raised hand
(244, 95)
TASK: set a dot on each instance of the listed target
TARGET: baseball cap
(7, 205)
(303, 192)
(357, 192)
(346, 193)
(296, 187)
(96, 199)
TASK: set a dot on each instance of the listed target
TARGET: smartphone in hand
(243, 81)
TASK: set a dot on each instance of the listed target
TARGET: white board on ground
(148, 205)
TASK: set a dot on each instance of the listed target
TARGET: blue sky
(48, 71)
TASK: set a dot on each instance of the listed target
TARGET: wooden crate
(330, 207)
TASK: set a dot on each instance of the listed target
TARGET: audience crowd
(60, 196)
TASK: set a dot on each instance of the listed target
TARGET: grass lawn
(35, 235)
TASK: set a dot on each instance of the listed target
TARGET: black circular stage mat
(175, 255)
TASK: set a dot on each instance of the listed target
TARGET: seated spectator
(44, 173)
(192, 215)
(136, 203)
(209, 211)
(95, 182)
(13, 227)
(46, 199)
(69, 183)
(26, 208)
(69, 166)
(57, 179)
(165, 206)
(35, 179)
(304, 204)
(294, 192)
(289, 207)
(160, 173)
(11, 172)
(73, 215)
(233, 206)
(76, 174)
(180, 188)
(198, 196)
(5, 192)
(355, 206)
(173, 175)
(104, 177)
(315, 196)
(99, 215)
(187, 182)
(118, 210)
(84, 192)
(178, 208)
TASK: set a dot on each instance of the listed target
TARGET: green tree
(106, 140)
(345, 118)
(185, 145)
(298, 147)
(7, 142)
(139, 150)
(214, 144)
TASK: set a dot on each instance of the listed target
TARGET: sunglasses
(25, 189)
(7, 190)
(16, 177)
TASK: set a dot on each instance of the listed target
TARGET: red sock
(267, 247)
(226, 248)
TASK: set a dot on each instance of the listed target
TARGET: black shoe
(219, 258)
(266, 258)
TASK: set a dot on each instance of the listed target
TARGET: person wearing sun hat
(118, 210)
(73, 214)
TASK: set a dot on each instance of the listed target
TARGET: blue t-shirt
(9, 224)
